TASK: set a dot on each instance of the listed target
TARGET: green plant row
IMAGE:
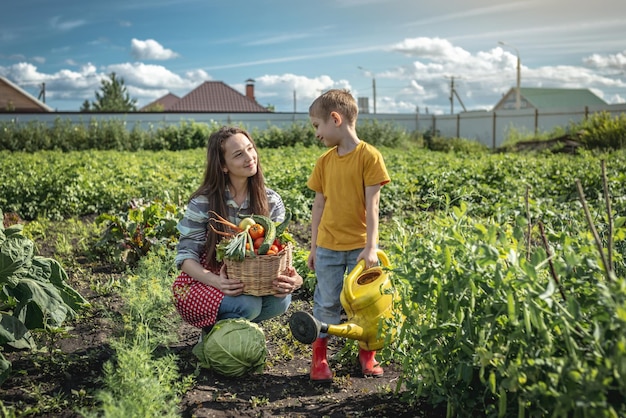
(93, 134)
(496, 327)
(57, 185)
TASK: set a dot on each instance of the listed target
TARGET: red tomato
(270, 252)
(274, 248)
(256, 231)
(258, 242)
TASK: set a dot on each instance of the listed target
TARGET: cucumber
(280, 228)
(270, 232)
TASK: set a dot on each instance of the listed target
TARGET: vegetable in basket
(255, 235)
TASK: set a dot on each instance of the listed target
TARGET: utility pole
(452, 94)
(42, 93)
(518, 69)
(373, 84)
(374, 90)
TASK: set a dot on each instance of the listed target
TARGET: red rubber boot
(320, 371)
(369, 365)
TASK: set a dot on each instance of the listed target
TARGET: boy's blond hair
(335, 100)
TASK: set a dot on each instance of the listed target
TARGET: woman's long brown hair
(215, 181)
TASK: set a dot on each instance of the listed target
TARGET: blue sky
(413, 49)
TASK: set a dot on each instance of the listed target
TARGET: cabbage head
(233, 348)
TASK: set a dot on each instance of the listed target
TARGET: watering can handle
(358, 269)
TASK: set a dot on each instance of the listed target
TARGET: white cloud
(431, 48)
(58, 24)
(307, 89)
(143, 82)
(150, 50)
(609, 62)
(156, 76)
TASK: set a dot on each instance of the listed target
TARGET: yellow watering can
(367, 297)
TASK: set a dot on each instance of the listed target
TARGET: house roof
(14, 98)
(212, 96)
(166, 101)
(548, 98)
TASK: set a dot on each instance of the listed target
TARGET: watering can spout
(367, 297)
(306, 328)
(347, 330)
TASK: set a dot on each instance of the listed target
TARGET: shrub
(461, 145)
(381, 133)
(602, 131)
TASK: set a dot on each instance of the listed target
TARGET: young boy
(344, 221)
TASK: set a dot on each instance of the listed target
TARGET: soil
(66, 373)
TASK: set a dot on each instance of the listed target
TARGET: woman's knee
(273, 306)
(243, 306)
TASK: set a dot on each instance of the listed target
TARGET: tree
(112, 97)
(86, 106)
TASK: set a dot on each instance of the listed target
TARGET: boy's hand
(370, 256)
(311, 260)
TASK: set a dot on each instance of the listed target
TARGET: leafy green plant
(494, 329)
(138, 385)
(602, 131)
(142, 378)
(300, 259)
(35, 294)
(129, 235)
(148, 308)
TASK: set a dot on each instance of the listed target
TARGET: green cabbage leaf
(233, 348)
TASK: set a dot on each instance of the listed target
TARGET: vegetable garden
(510, 266)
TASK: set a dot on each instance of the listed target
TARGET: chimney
(250, 89)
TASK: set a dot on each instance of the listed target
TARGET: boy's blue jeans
(330, 270)
(253, 308)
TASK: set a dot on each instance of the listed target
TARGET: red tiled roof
(215, 96)
(166, 101)
(14, 99)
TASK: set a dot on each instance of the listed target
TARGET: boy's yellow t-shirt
(342, 181)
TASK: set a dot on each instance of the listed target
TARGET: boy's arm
(372, 200)
(316, 217)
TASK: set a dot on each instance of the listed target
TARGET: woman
(233, 185)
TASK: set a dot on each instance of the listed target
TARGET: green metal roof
(542, 98)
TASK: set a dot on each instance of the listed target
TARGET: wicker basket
(258, 273)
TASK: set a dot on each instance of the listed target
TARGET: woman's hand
(286, 284)
(230, 287)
